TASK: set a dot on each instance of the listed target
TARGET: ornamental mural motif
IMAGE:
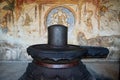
(60, 15)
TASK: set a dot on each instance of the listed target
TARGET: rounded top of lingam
(57, 36)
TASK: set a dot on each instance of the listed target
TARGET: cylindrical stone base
(35, 72)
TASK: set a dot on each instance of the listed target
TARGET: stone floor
(12, 70)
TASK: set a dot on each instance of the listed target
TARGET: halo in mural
(60, 15)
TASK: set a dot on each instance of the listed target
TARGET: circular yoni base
(44, 51)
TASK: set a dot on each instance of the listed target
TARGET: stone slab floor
(12, 70)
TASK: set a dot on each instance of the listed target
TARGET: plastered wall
(90, 23)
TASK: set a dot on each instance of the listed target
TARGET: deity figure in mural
(59, 18)
(88, 20)
(27, 20)
(61, 15)
(3, 25)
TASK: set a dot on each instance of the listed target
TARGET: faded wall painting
(90, 23)
(60, 15)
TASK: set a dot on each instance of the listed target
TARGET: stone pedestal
(56, 60)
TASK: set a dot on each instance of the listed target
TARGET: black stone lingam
(56, 60)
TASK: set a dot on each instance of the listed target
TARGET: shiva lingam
(57, 60)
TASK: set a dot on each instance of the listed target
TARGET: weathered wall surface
(90, 22)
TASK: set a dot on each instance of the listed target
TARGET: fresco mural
(61, 15)
(90, 22)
